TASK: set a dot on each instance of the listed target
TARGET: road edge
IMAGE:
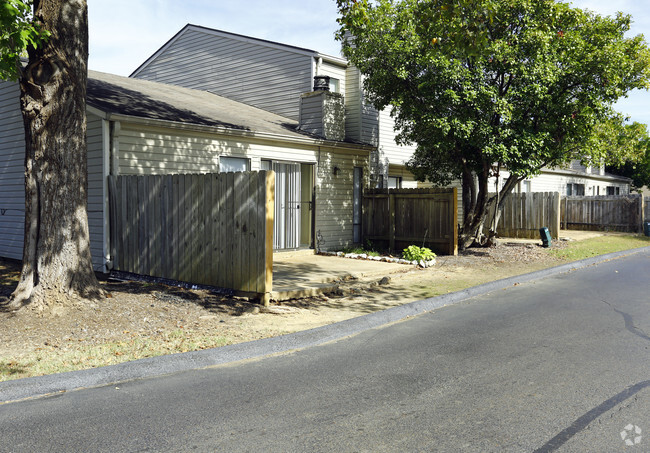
(54, 384)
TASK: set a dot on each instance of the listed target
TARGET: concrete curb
(29, 388)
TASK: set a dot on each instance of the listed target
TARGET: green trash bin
(646, 228)
(546, 237)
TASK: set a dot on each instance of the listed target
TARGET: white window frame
(226, 164)
(396, 179)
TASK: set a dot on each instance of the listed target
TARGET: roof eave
(228, 131)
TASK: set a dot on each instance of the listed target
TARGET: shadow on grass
(210, 300)
(12, 368)
(9, 275)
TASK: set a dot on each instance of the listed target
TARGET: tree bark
(474, 218)
(57, 267)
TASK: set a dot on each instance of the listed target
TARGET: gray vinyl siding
(266, 77)
(12, 171)
(352, 104)
(369, 120)
(396, 154)
(96, 191)
(311, 114)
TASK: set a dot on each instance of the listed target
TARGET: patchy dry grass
(612, 242)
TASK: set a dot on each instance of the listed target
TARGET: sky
(124, 33)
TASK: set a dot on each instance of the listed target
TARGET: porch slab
(308, 275)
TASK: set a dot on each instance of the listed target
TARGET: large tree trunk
(57, 267)
(471, 233)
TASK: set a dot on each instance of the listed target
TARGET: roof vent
(321, 83)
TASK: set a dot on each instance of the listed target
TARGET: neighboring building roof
(263, 42)
(117, 95)
(584, 174)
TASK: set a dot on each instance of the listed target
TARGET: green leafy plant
(415, 253)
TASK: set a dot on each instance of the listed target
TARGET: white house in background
(142, 127)
(576, 180)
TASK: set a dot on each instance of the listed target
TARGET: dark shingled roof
(141, 98)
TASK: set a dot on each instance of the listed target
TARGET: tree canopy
(486, 85)
(17, 32)
(633, 138)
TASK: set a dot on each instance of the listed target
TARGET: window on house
(394, 182)
(612, 190)
(232, 164)
(265, 165)
(575, 189)
(526, 187)
(335, 85)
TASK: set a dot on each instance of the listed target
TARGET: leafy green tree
(632, 138)
(486, 85)
(53, 34)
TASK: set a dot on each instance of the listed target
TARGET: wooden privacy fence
(605, 213)
(397, 218)
(212, 229)
(523, 214)
(646, 202)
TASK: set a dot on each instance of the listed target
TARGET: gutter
(229, 131)
(605, 177)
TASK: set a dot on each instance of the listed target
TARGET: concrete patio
(298, 274)
(304, 274)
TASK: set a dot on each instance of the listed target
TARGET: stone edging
(385, 259)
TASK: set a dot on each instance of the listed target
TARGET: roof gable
(228, 35)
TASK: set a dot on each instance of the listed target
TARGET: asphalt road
(555, 364)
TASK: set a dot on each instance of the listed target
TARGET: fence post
(641, 212)
(391, 222)
(268, 244)
(555, 215)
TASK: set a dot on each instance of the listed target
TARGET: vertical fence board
(237, 221)
(214, 229)
(268, 236)
(223, 223)
(259, 211)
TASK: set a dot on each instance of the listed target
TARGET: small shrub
(415, 253)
